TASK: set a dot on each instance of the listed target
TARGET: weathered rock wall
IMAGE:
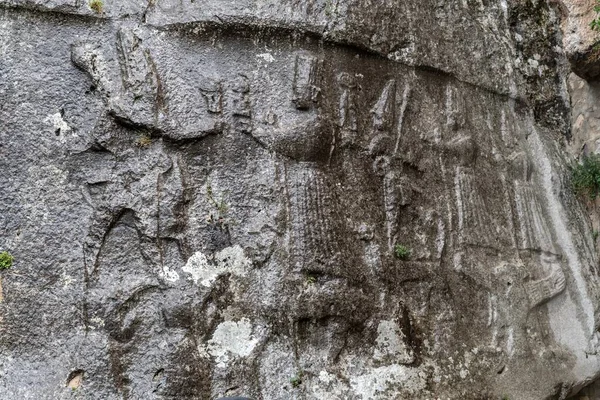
(580, 44)
(204, 198)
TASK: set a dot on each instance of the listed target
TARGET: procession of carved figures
(329, 126)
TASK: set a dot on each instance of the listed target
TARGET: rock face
(581, 43)
(205, 199)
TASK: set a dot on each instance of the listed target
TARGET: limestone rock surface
(207, 199)
(580, 42)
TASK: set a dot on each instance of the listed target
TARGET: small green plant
(6, 260)
(595, 235)
(221, 209)
(143, 141)
(97, 6)
(311, 279)
(595, 24)
(296, 380)
(402, 252)
(586, 176)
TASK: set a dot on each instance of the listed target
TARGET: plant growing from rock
(6, 260)
(296, 380)
(595, 24)
(402, 252)
(220, 210)
(143, 141)
(586, 176)
(97, 6)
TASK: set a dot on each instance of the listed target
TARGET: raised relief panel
(171, 201)
(455, 109)
(309, 232)
(396, 190)
(384, 110)
(241, 105)
(202, 114)
(89, 58)
(474, 223)
(240, 100)
(507, 317)
(550, 285)
(383, 113)
(397, 193)
(315, 222)
(348, 109)
(306, 89)
(138, 103)
(134, 97)
(401, 107)
(534, 232)
(544, 265)
(212, 92)
(137, 66)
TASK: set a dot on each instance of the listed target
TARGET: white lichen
(231, 339)
(205, 270)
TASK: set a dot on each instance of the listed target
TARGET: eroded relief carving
(534, 236)
(534, 233)
(551, 284)
(313, 213)
(306, 88)
(526, 269)
(396, 190)
(547, 277)
(136, 98)
(347, 120)
(135, 94)
(352, 182)
(241, 106)
(89, 58)
(455, 109)
(384, 110)
(473, 220)
(239, 174)
(212, 91)
(140, 100)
